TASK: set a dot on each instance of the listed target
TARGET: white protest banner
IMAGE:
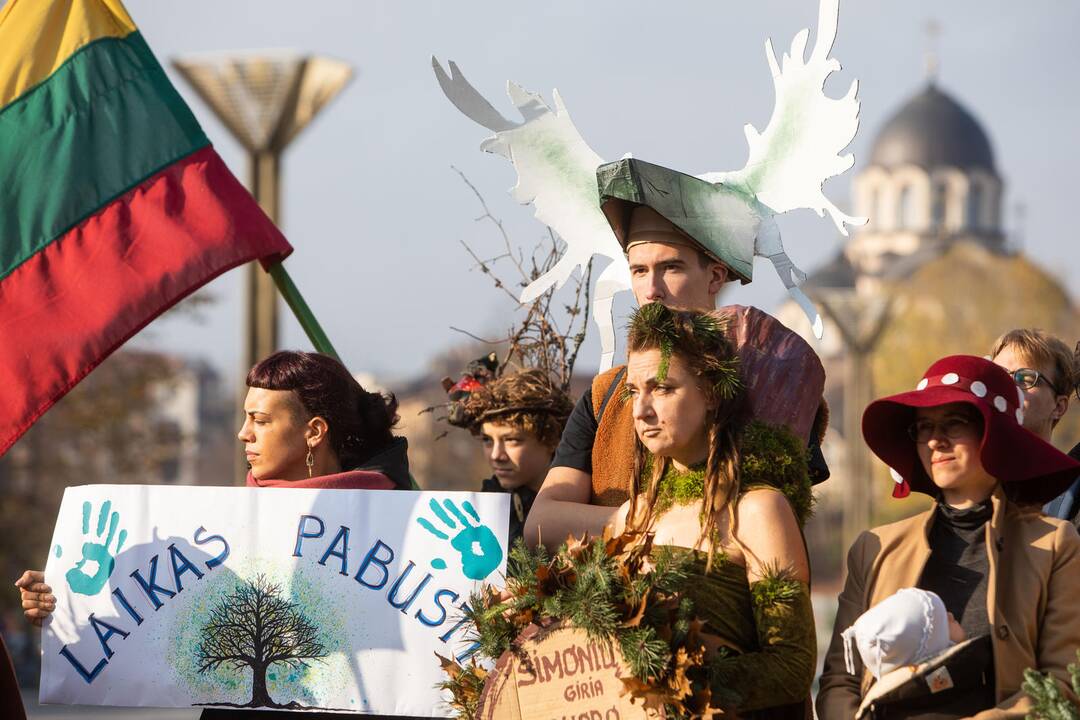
(265, 598)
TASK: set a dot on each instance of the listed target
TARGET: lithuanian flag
(113, 204)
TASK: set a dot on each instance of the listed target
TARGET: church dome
(932, 130)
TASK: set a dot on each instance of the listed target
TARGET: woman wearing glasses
(1008, 574)
(1046, 370)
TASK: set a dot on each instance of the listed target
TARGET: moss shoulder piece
(772, 456)
(787, 164)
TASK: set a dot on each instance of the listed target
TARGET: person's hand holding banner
(330, 599)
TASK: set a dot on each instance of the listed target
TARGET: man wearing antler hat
(672, 238)
(588, 483)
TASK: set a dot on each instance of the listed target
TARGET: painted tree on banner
(255, 627)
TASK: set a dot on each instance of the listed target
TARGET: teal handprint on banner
(479, 548)
(96, 552)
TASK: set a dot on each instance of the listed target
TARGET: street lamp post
(265, 99)
(860, 322)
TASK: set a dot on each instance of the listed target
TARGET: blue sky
(376, 214)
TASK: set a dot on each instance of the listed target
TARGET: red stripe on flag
(69, 306)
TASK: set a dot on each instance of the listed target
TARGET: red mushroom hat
(1031, 469)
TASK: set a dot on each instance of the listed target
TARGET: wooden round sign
(559, 673)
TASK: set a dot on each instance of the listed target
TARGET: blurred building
(936, 248)
(192, 414)
(931, 183)
(141, 417)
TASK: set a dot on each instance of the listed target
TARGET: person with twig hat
(1009, 574)
(518, 418)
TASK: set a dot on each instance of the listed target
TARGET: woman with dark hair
(1007, 573)
(731, 493)
(309, 423)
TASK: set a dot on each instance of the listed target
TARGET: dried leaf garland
(618, 589)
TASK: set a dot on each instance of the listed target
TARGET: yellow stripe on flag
(38, 36)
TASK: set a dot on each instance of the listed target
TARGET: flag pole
(300, 309)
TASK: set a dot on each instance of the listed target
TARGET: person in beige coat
(1009, 574)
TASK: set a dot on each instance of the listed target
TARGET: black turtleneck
(959, 572)
(958, 569)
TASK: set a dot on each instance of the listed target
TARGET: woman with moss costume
(707, 484)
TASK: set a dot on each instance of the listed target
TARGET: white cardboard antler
(800, 147)
(787, 165)
(556, 172)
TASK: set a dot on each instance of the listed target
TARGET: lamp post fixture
(265, 99)
(860, 321)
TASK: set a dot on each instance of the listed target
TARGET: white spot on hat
(922, 384)
(1000, 404)
(1019, 416)
(978, 389)
(897, 477)
(950, 379)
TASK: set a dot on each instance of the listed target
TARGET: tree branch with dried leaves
(537, 340)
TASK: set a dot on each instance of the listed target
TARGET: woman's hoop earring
(310, 460)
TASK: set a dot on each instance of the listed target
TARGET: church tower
(931, 182)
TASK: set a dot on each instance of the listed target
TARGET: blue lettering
(404, 606)
(343, 554)
(442, 609)
(372, 559)
(301, 532)
(127, 606)
(215, 561)
(87, 676)
(103, 637)
(178, 569)
(467, 652)
(151, 589)
(446, 635)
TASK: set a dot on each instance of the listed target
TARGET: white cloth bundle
(903, 629)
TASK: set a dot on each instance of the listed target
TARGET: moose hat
(712, 217)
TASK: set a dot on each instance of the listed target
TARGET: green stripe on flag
(106, 120)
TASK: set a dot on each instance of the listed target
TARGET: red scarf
(350, 480)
